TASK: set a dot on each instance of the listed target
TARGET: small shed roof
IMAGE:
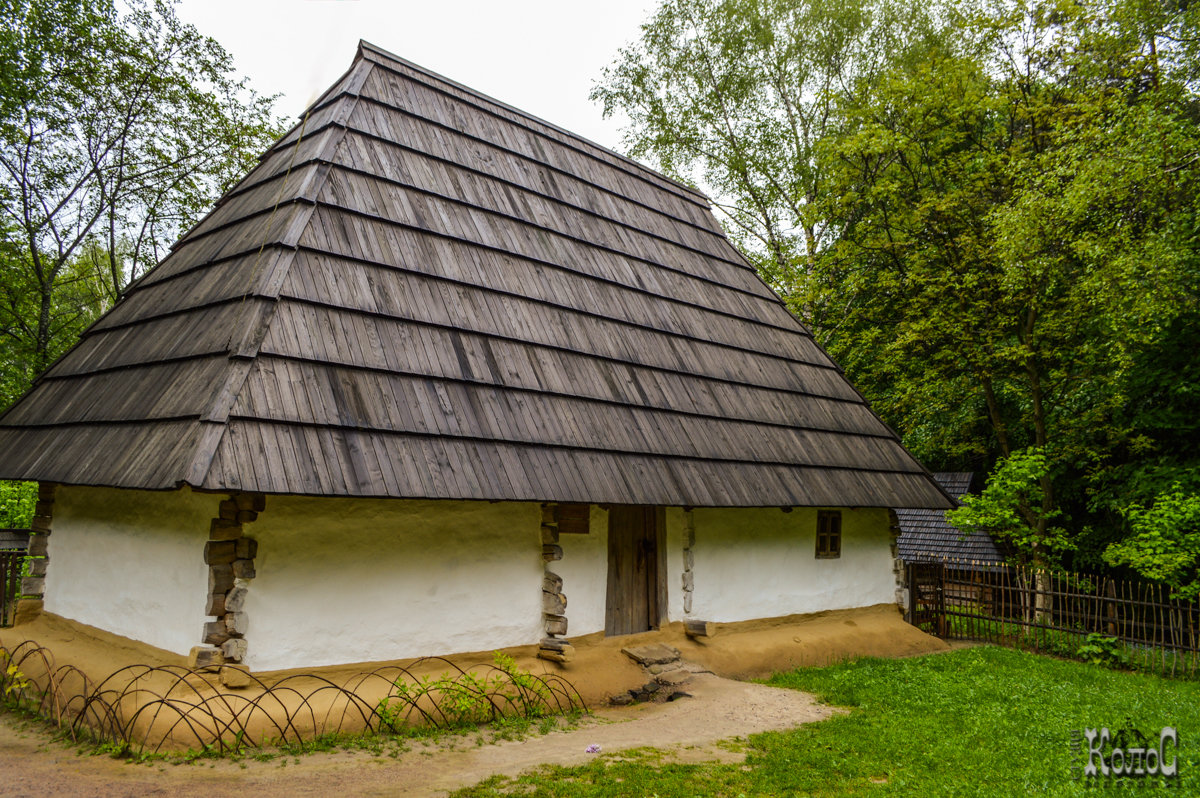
(14, 539)
(926, 535)
(423, 292)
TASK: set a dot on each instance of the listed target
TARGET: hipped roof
(423, 292)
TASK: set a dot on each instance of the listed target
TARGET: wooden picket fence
(10, 584)
(1136, 624)
(13, 544)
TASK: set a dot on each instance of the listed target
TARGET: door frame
(656, 570)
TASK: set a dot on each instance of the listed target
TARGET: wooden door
(636, 582)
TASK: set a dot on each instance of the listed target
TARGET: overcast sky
(541, 56)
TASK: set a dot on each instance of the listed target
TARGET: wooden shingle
(422, 292)
(926, 535)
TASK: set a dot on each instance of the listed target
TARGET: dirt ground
(32, 766)
(688, 729)
(746, 650)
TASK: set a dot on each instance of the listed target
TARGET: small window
(829, 534)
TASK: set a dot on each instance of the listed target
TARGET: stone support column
(897, 563)
(229, 555)
(554, 646)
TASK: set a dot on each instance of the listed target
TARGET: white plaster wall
(131, 562)
(584, 569)
(351, 580)
(761, 563)
(357, 580)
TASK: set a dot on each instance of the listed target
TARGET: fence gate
(926, 601)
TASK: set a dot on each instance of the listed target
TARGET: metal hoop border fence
(197, 711)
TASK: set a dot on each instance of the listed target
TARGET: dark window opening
(829, 534)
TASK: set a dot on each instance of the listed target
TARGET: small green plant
(15, 683)
(391, 709)
(468, 698)
(1100, 649)
(117, 749)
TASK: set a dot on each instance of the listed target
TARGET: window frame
(829, 534)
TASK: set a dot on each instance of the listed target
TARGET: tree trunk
(41, 352)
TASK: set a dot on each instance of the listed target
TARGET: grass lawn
(979, 721)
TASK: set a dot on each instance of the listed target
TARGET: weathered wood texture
(636, 593)
(926, 535)
(423, 292)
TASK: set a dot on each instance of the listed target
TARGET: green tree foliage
(118, 128)
(1165, 544)
(1004, 207)
(737, 95)
(75, 303)
(17, 500)
(1013, 509)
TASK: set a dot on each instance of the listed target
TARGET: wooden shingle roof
(926, 535)
(423, 292)
(14, 539)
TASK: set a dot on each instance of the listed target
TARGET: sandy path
(719, 709)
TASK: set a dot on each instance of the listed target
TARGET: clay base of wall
(599, 670)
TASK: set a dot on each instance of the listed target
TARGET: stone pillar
(897, 563)
(554, 646)
(229, 554)
(689, 558)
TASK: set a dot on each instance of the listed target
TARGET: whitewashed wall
(352, 580)
(355, 580)
(761, 563)
(674, 555)
(131, 562)
(584, 570)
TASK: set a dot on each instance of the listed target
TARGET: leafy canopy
(1011, 508)
(987, 212)
(119, 127)
(1165, 544)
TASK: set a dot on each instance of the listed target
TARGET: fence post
(940, 624)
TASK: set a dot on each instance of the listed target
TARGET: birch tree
(117, 130)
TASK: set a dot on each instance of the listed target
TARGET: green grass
(1070, 643)
(982, 721)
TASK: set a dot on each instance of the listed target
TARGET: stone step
(652, 654)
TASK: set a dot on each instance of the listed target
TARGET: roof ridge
(365, 46)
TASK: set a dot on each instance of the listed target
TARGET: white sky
(541, 56)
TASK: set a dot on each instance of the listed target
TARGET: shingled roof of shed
(423, 292)
(926, 535)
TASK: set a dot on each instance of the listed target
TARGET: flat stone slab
(672, 678)
(652, 654)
